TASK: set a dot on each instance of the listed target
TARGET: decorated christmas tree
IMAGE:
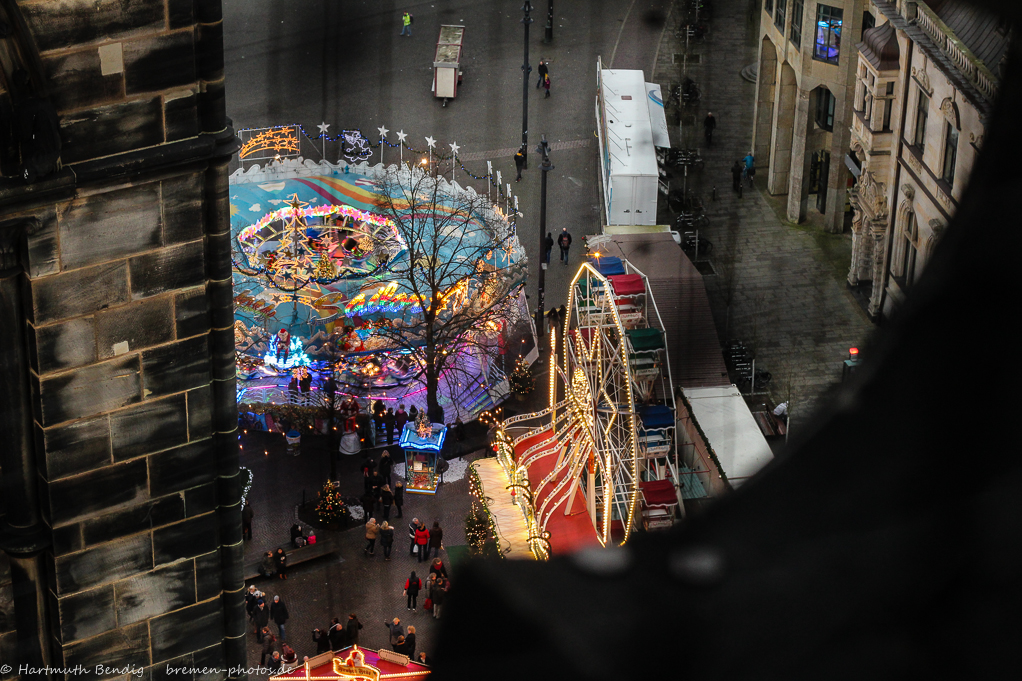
(330, 508)
(422, 425)
(521, 379)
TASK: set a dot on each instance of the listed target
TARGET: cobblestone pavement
(789, 302)
(347, 581)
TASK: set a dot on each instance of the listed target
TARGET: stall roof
(731, 430)
(629, 132)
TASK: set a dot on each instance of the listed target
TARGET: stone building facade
(121, 526)
(926, 78)
(805, 83)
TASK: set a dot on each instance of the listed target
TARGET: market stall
(447, 62)
(354, 664)
(422, 442)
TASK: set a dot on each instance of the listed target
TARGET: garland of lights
(248, 485)
(477, 533)
(709, 448)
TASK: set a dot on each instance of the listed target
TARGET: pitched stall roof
(677, 287)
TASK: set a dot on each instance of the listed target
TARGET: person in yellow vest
(406, 24)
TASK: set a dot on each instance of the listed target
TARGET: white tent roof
(629, 133)
(731, 429)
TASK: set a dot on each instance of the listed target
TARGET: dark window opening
(795, 34)
(768, 5)
(950, 154)
(868, 21)
(922, 106)
(825, 109)
(888, 105)
(782, 10)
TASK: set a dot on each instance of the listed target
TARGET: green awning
(645, 340)
(586, 283)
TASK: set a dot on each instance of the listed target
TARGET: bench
(323, 547)
(770, 425)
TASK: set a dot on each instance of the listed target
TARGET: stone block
(63, 346)
(89, 390)
(90, 494)
(104, 564)
(221, 301)
(135, 326)
(111, 129)
(87, 614)
(77, 82)
(235, 615)
(181, 117)
(173, 670)
(180, 13)
(42, 249)
(173, 368)
(111, 526)
(232, 560)
(111, 225)
(212, 104)
(191, 310)
(168, 269)
(208, 582)
(181, 468)
(67, 539)
(193, 628)
(210, 658)
(183, 209)
(200, 500)
(199, 413)
(123, 647)
(149, 427)
(218, 256)
(186, 539)
(155, 593)
(56, 25)
(79, 292)
(76, 448)
(159, 62)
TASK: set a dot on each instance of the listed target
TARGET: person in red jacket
(412, 586)
(421, 541)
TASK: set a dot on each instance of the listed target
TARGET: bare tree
(460, 277)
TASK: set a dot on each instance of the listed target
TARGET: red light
(853, 353)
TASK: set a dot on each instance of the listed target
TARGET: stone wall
(126, 309)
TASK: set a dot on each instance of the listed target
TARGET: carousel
(355, 664)
(319, 295)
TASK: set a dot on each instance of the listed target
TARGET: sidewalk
(789, 301)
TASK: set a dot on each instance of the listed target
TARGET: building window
(782, 10)
(888, 105)
(890, 88)
(922, 106)
(909, 249)
(828, 33)
(825, 109)
(795, 34)
(950, 154)
(868, 21)
(768, 5)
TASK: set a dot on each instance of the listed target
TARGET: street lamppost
(526, 70)
(549, 21)
(542, 148)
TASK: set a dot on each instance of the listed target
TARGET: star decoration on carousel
(454, 148)
(323, 128)
(401, 135)
(383, 131)
(431, 142)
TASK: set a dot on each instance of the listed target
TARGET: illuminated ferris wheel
(612, 409)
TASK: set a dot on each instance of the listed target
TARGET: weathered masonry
(121, 530)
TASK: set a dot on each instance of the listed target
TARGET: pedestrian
(413, 413)
(385, 467)
(247, 514)
(709, 123)
(375, 484)
(395, 629)
(367, 500)
(378, 415)
(399, 496)
(412, 586)
(352, 628)
(279, 615)
(410, 642)
(546, 85)
(275, 663)
(437, 568)
(387, 499)
(549, 243)
(389, 421)
(281, 558)
(750, 168)
(372, 532)
(400, 419)
(424, 658)
(367, 473)
(542, 70)
(406, 24)
(442, 464)
(261, 620)
(321, 640)
(335, 635)
(437, 593)
(287, 654)
(412, 527)
(267, 640)
(736, 176)
(297, 536)
(520, 161)
(399, 645)
(436, 540)
(564, 241)
(386, 539)
(268, 566)
(421, 541)
(251, 598)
